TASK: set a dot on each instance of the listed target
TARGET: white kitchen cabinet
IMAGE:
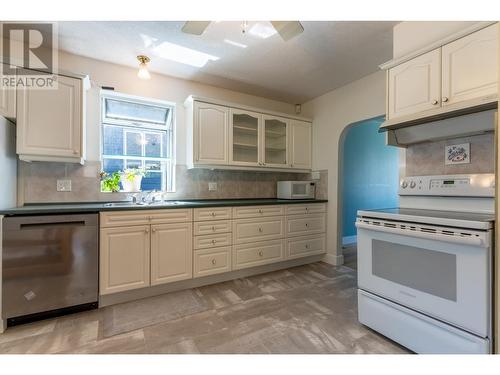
(300, 145)
(222, 135)
(171, 252)
(211, 126)
(8, 102)
(51, 122)
(245, 143)
(275, 141)
(124, 258)
(415, 85)
(470, 66)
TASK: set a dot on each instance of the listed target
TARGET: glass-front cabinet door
(275, 136)
(245, 137)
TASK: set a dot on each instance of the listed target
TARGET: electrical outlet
(212, 186)
(63, 185)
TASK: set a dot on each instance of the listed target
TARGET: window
(138, 133)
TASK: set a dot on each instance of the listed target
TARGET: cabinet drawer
(212, 227)
(212, 240)
(304, 246)
(142, 217)
(213, 213)
(257, 211)
(212, 261)
(305, 209)
(257, 254)
(259, 229)
(303, 225)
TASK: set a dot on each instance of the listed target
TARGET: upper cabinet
(414, 86)
(7, 102)
(224, 136)
(275, 145)
(470, 67)
(245, 138)
(458, 75)
(300, 144)
(51, 122)
(211, 128)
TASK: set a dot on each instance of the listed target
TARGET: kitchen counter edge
(64, 208)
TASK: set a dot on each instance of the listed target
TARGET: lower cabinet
(258, 254)
(147, 248)
(124, 258)
(171, 252)
(212, 261)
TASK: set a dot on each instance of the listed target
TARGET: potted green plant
(110, 182)
(131, 179)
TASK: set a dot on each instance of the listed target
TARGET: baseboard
(349, 240)
(334, 260)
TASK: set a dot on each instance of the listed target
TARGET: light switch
(63, 185)
(212, 186)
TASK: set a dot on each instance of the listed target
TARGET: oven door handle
(473, 241)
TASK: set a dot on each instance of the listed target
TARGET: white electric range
(425, 268)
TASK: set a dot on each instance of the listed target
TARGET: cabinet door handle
(260, 211)
(153, 230)
(146, 230)
(261, 253)
(307, 246)
(261, 230)
(213, 214)
(214, 241)
(307, 225)
(214, 262)
(434, 102)
(213, 228)
(445, 99)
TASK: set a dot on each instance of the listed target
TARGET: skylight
(183, 55)
(262, 30)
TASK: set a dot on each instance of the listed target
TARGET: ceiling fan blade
(288, 29)
(195, 27)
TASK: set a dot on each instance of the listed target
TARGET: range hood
(462, 122)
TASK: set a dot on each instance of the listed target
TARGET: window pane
(112, 140)
(134, 143)
(112, 165)
(153, 145)
(133, 164)
(152, 181)
(153, 165)
(123, 110)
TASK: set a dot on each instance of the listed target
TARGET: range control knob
(404, 184)
(412, 184)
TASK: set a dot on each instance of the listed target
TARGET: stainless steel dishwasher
(49, 265)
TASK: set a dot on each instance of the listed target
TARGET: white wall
(332, 113)
(8, 165)
(124, 79)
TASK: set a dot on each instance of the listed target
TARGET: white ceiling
(325, 56)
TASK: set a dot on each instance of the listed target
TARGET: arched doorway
(368, 178)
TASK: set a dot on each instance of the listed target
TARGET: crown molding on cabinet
(224, 103)
(469, 30)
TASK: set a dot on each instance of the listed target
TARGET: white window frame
(135, 126)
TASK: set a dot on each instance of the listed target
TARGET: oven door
(433, 270)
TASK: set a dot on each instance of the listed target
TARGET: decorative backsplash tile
(428, 158)
(38, 183)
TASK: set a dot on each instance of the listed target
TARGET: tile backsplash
(37, 183)
(429, 158)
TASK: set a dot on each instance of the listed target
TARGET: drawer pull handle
(146, 230)
(213, 214)
(261, 253)
(214, 241)
(214, 262)
(150, 217)
(261, 230)
(213, 228)
(307, 246)
(307, 208)
(153, 230)
(307, 225)
(260, 211)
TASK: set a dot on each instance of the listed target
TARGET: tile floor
(306, 309)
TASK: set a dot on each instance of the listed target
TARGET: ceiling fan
(286, 29)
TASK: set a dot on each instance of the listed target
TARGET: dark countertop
(56, 208)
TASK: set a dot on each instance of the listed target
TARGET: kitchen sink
(131, 204)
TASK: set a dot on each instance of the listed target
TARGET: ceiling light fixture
(143, 72)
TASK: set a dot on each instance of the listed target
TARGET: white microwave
(296, 190)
